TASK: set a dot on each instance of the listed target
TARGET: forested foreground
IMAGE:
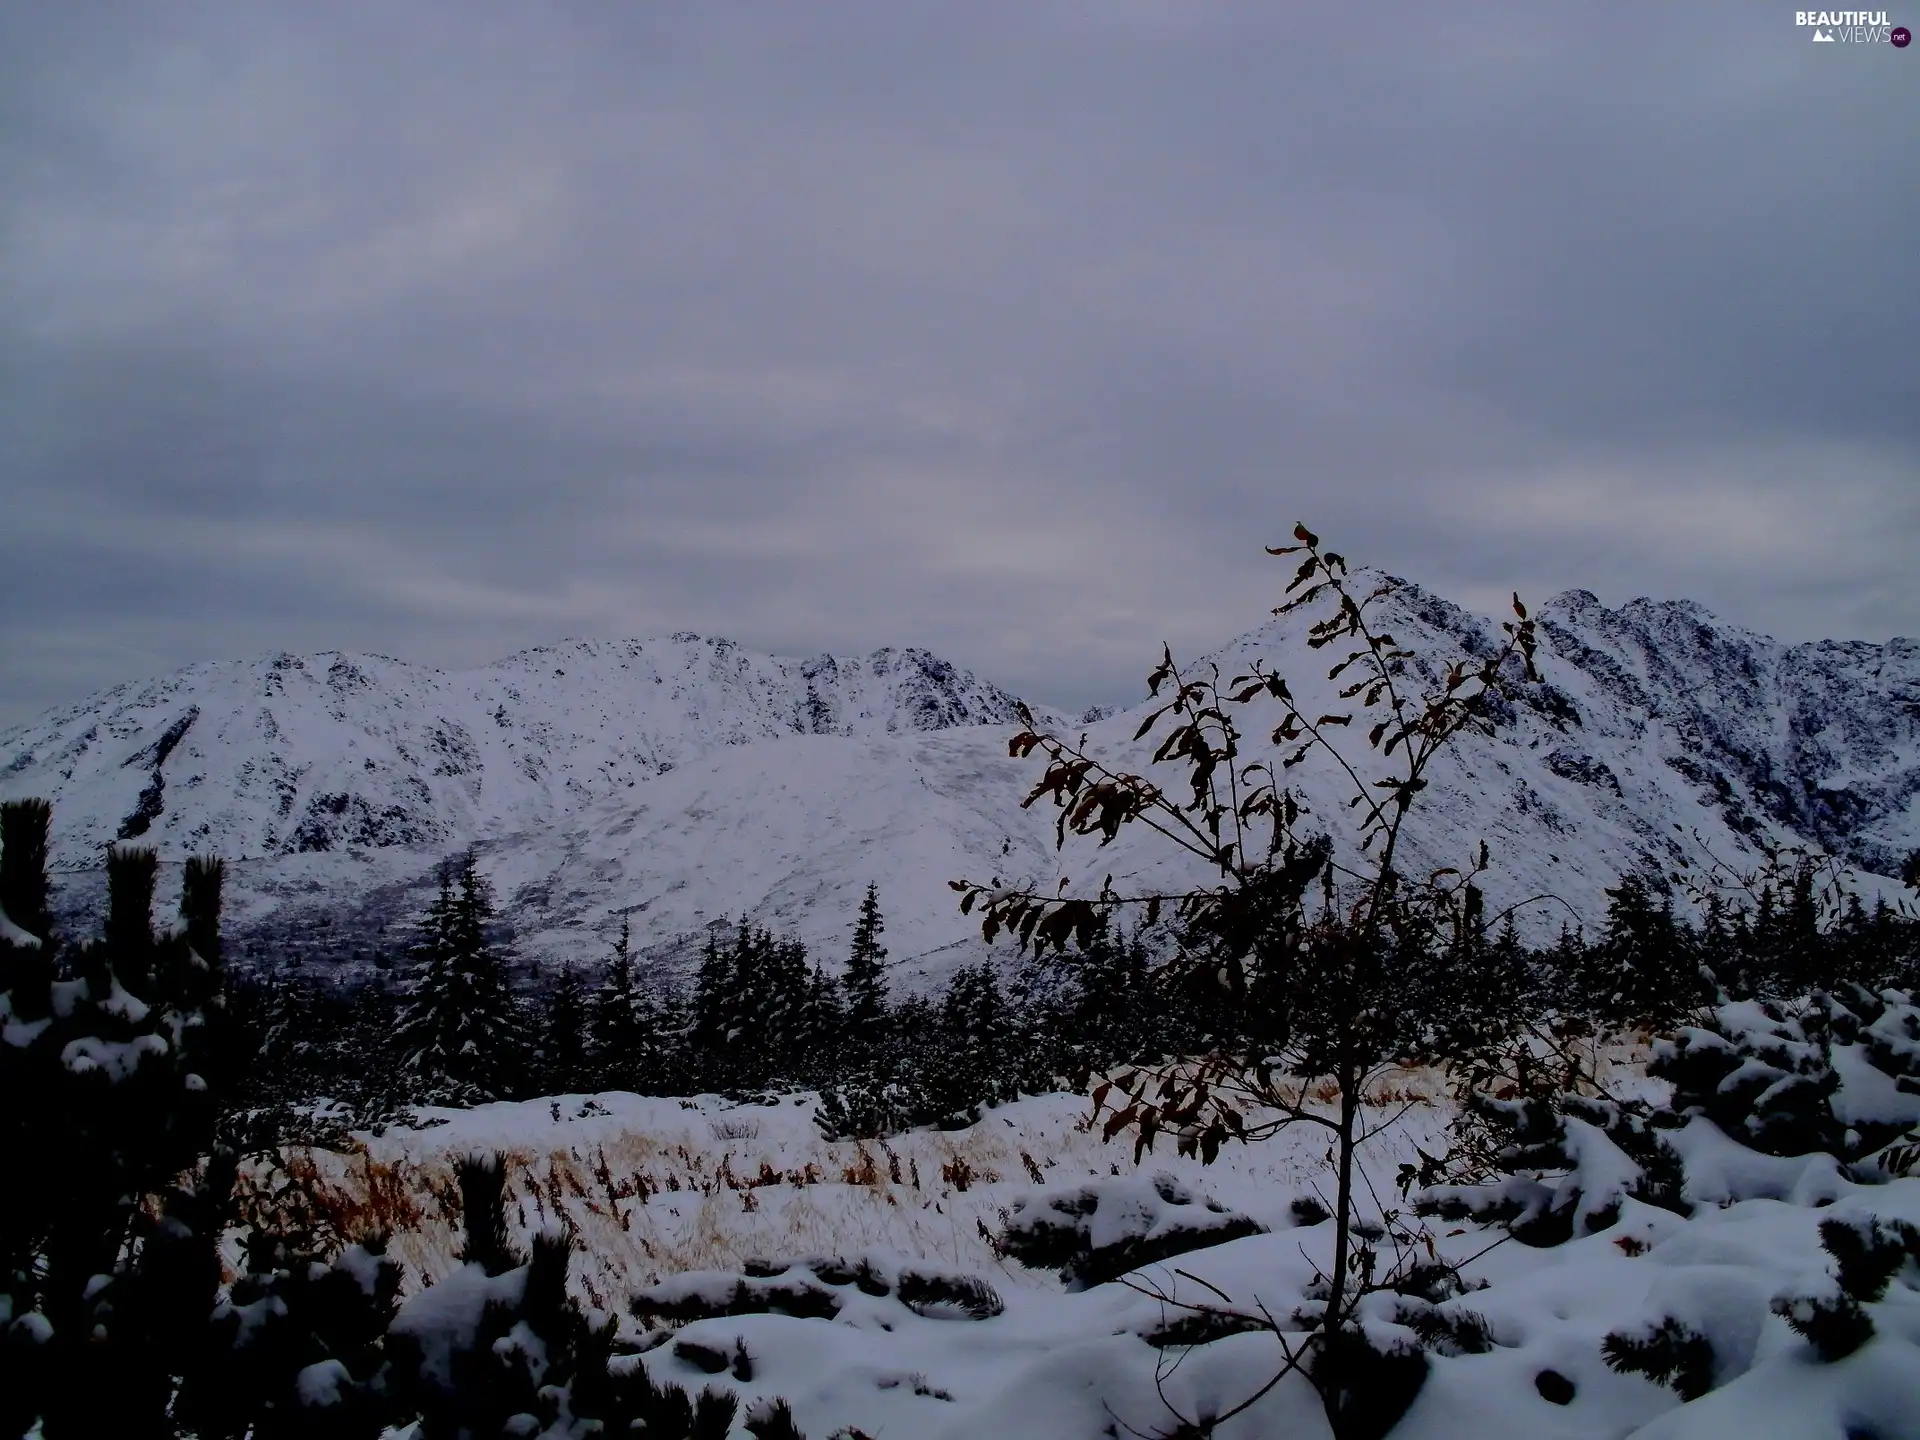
(1724, 1240)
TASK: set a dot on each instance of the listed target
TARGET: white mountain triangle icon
(1822, 37)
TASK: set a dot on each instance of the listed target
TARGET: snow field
(701, 1190)
(656, 1187)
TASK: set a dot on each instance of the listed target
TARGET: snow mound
(1098, 1232)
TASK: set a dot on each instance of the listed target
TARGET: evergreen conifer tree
(1563, 969)
(290, 1039)
(783, 1012)
(458, 1030)
(626, 1044)
(367, 1069)
(714, 1023)
(865, 980)
(973, 1061)
(1105, 1010)
(563, 1066)
(822, 1034)
(1643, 972)
(756, 1012)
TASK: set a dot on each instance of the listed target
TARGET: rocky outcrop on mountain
(1817, 741)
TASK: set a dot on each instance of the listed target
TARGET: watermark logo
(1852, 27)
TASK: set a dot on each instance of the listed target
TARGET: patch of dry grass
(653, 1188)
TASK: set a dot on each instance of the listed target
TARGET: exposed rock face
(1821, 739)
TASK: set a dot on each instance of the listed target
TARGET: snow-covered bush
(1365, 1381)
(1811, 1102)
(499, 1348)
(107, 1057)
(297, 1346)
(817, 1287)
(874, 1103)
(1567, 1163)
(1097, 1232)
(1836, 1074)
(1812, 1080)
(1669, 1353)
(1832, 1316)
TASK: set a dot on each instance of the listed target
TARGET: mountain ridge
(341, 749)
(674, 782)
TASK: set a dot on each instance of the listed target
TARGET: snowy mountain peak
(1654, 722)
(670, 782)
(298, 753)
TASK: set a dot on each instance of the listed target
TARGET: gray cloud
(1007, 330)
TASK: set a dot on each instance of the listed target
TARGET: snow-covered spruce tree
(885, 1088)
(870, 1083)
(459, 1029)
(777, 985)
(1561, 973)
(974, 1062)
(938, 1065)
(753, 1008)
(561, 1059)
(1644, 972)
(617, 1036)
(865, 978)
(106, 1054)
(1890, 944)
(716, 1012)
(1798, 948)
(1311, 941)
(1089, 1007)
(362, 1066)
(822, 1031)
(632, 1037)
(284, 1008)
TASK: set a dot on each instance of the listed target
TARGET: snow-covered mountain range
(682, 780)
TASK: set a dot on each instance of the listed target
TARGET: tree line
(762, 1014)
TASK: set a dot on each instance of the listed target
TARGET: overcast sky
(1008, 331)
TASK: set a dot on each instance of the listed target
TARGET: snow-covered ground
(653, 1187)
(693, 1192)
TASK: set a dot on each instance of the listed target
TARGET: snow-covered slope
(1656, 727)
(692, 1192)
(676, 782)
(296, 754)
